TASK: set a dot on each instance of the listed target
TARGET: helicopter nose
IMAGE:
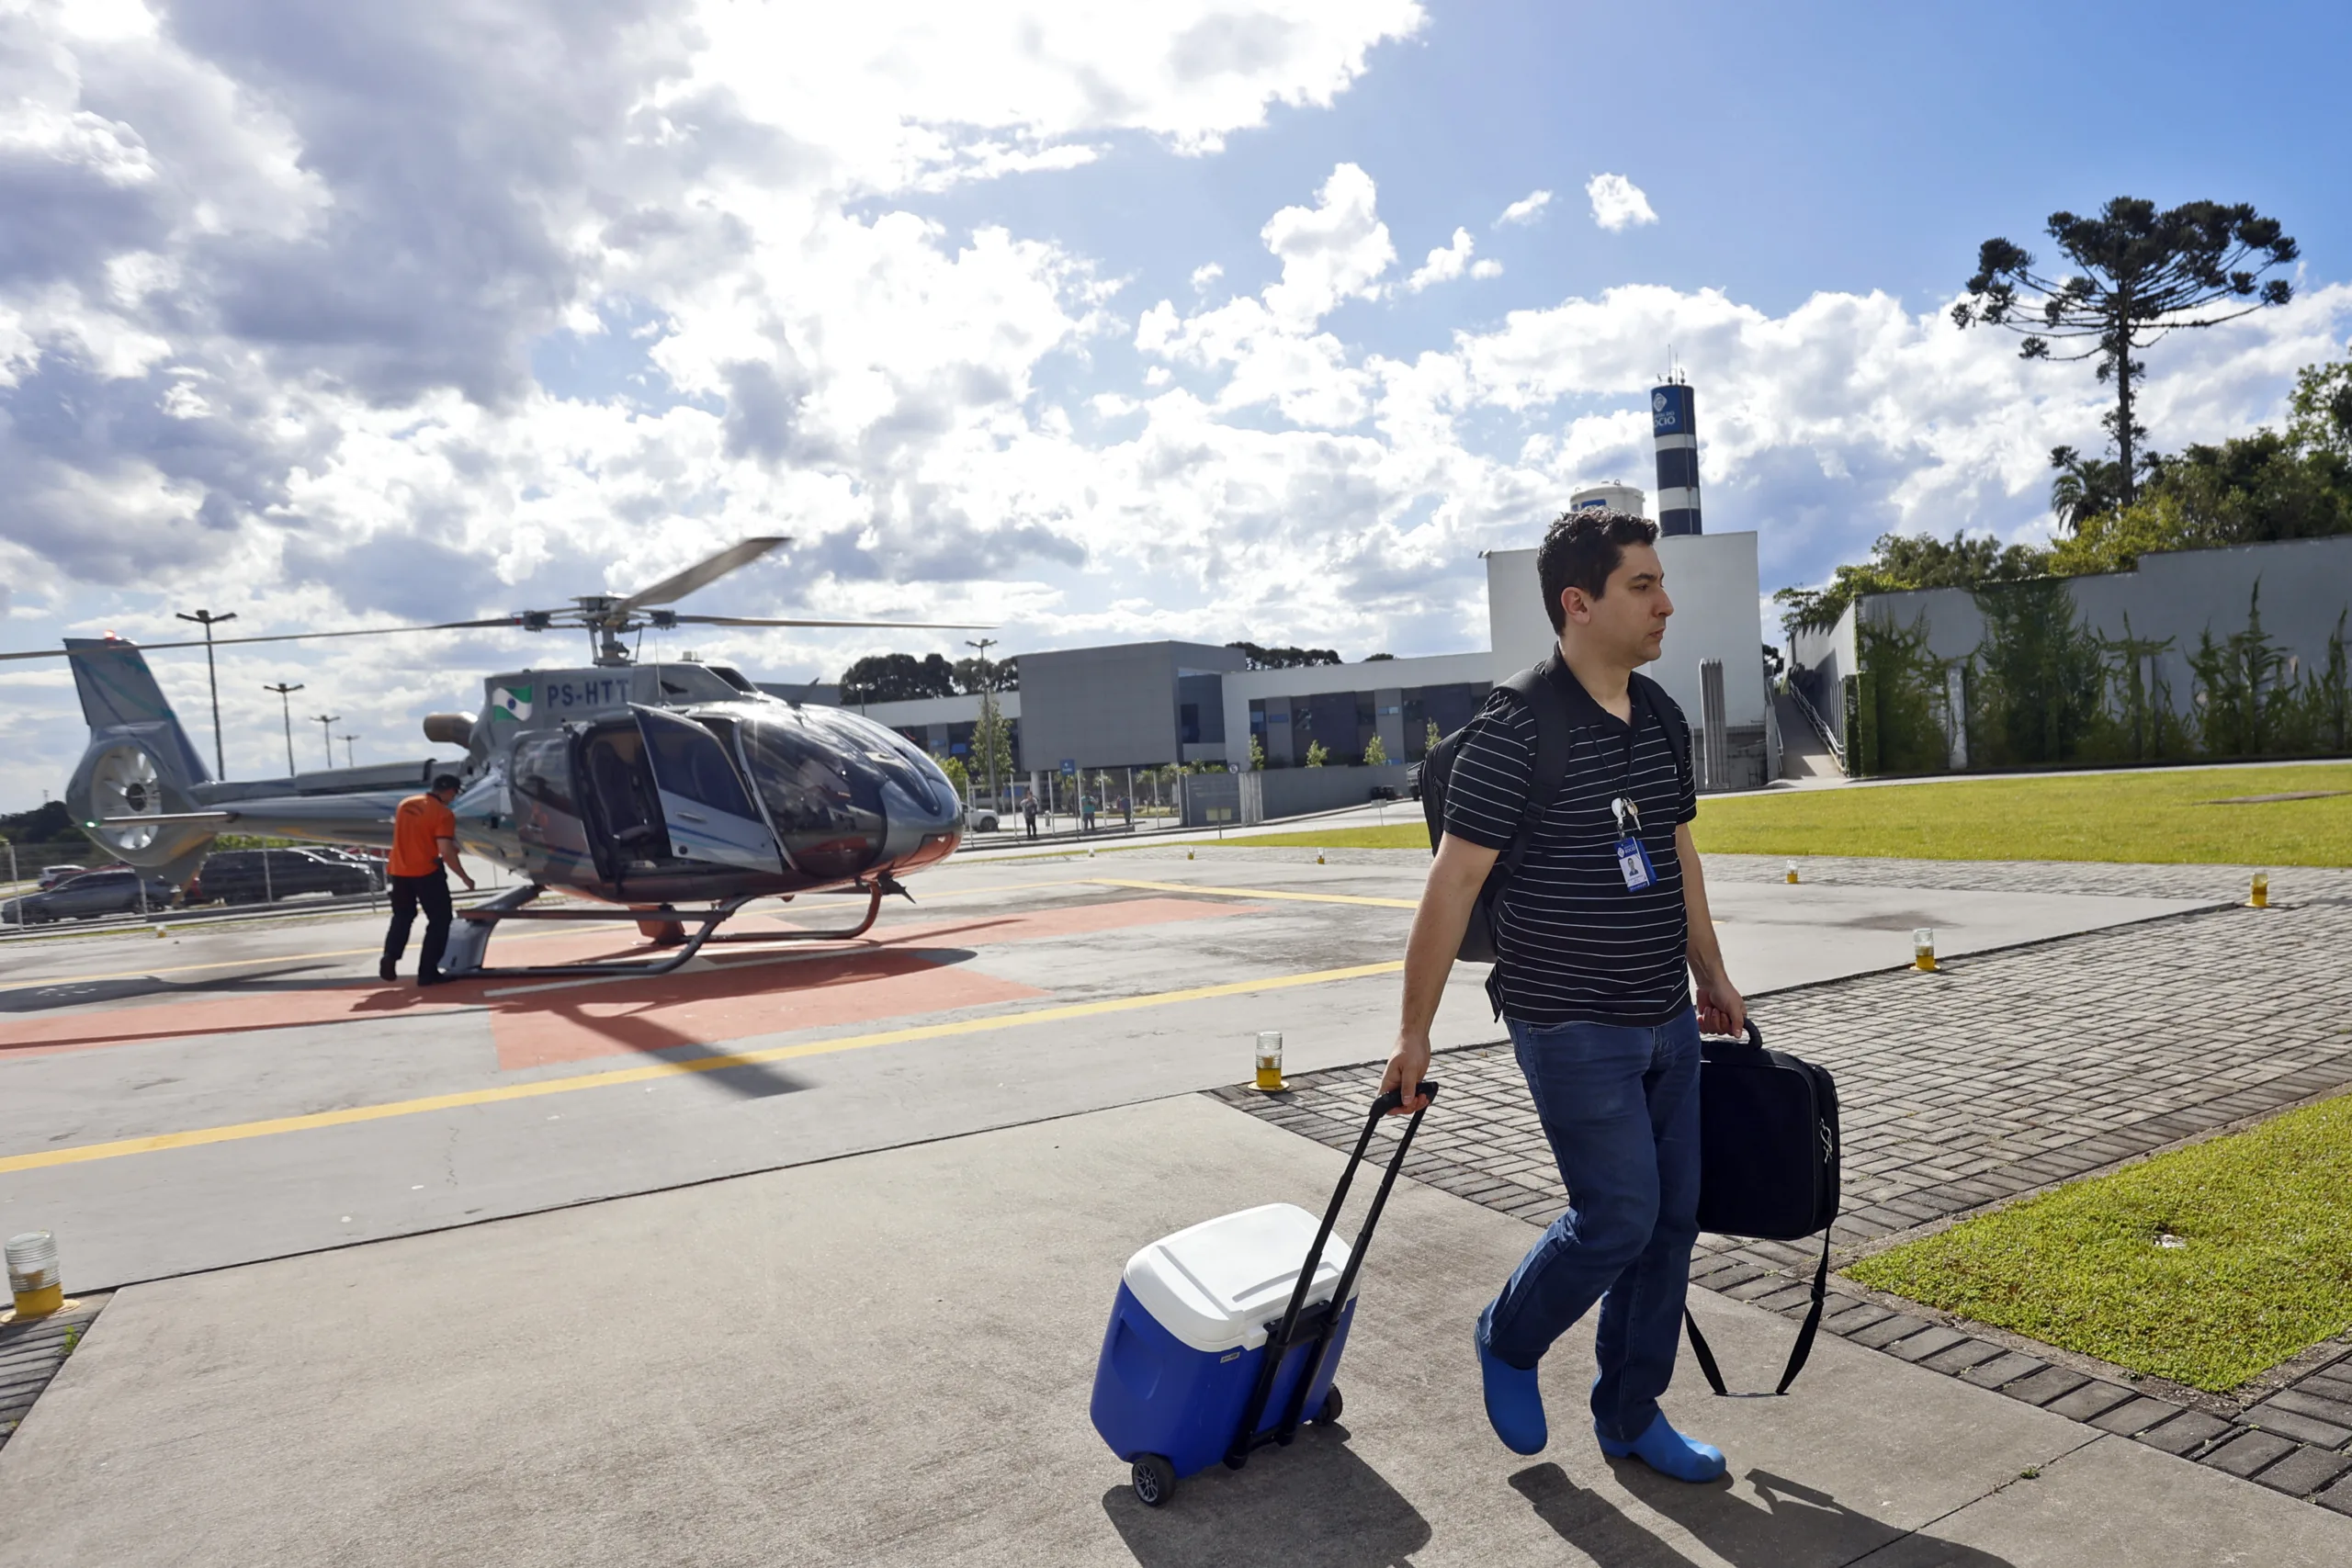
(919, 831)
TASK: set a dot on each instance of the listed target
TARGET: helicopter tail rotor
(131, 792)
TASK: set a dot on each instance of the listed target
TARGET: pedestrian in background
(1029, 813)
(424, 850)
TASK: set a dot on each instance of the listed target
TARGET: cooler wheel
(1154, 1481)
(1331, 1407)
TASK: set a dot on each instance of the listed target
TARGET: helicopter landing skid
(470, 938)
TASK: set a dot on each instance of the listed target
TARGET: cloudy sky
(1210, 319)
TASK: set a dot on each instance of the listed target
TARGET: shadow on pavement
(1797, 1527)
(1312, 1505)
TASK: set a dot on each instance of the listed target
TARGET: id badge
(1633, 861)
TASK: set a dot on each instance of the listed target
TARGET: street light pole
(323, 720)
(988, 711)
(286, 708)
(207, 620)
(346, 740)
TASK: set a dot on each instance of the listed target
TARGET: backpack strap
(1534, 687)
(1537, 688)
(1669, 715)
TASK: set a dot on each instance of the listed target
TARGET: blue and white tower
(1674, 421)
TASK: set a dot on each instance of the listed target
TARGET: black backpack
(1538, 688)
(1769, 1161)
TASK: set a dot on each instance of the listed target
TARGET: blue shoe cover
(1667, 1451)
(1514, 1401)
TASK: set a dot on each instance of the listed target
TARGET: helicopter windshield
(823, 795)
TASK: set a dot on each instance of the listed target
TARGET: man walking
(1601, 929)
(424, 850)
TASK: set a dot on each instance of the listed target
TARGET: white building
(1149, 703)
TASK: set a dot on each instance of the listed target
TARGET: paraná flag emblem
(514, 701)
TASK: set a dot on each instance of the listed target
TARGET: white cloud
(1618, 202)
(1331, 251)
(1444, 265)
(268, 328)
(1526, 209)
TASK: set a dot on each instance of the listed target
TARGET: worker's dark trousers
(429, 893)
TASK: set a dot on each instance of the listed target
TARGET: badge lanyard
(1632, 858)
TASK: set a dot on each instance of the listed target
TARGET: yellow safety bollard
(33, 1278)
(1318, 858)
(1188, 854)
(1793, 874)
(1269, 1062)
(2261, 898)
(1923, 949)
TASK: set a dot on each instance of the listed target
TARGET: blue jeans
(1620, 1108)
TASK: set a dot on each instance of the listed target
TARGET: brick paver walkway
(2001, 1074)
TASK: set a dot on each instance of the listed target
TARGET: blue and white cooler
(1184, 1379)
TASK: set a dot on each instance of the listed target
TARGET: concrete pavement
(226, 1096)
(886, 1359)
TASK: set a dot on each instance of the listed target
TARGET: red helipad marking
(745, 991)
(346, 1001)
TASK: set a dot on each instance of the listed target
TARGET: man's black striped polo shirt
(1578, 946)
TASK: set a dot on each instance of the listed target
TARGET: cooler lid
(1214, 1285)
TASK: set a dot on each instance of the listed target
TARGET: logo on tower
(1657, 402)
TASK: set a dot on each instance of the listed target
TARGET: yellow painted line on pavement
(1260, 893)
(653, 1071)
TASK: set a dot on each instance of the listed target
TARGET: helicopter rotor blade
(703, 573)
(875, 625)
(284, 636)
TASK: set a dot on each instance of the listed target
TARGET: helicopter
(670, 793)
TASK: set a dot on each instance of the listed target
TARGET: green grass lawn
(2158, 815)
(2265, 1270)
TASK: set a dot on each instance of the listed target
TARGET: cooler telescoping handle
(1278, 1339)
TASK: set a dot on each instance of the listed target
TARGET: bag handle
(1278, 1339)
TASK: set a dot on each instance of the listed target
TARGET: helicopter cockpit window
(733, 676)
(542, 772)
(824, 797)
(687, 762)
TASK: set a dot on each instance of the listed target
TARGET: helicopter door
(710, 816)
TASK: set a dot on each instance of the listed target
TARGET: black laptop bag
(1769, 1165)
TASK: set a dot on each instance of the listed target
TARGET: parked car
(54, 874)
(982, 819)
(1413, 781)
(238, 877)
(92, 895)
(1382, 792)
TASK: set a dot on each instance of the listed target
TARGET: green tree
(1913, 560)
(2086, 487)
(1285, 658)
(2243, 691)
(2144, 273)
(43, 823)
(1317, 753)
(2322, 406)
(2044, 676)
(898, 678)
(1257, 755)
(1376, 753)
(954, 768)
(1429, 740)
